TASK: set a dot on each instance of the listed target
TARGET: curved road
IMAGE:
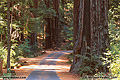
(47, 74)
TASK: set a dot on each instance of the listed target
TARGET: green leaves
(114, 31)
(3, 55)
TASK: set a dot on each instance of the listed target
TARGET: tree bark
(77, 36)
(9, 38)
(90, 33)
(56, 21)
(48, 30)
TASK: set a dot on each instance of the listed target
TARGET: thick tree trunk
(77, 37)
(90, 32)
(56, 21)
(99, 29)
(53, 32)
(48, 30)
(9, 38)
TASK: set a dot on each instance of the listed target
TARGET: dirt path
(50, 66)
(64, 73)
(46, 69)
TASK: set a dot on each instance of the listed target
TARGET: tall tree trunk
(9, 38)
(53, 32)
(34, 33)
(77, 30)
(90, 33)
(99, 29)
(48, 30)
(56, 21)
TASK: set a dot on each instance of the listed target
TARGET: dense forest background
(30, 26)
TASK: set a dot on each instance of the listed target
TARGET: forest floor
(32, 64)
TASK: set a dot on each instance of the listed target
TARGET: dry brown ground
(62, 68)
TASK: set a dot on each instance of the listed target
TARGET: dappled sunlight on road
(30, 59)
(47, 67)
(59, 60)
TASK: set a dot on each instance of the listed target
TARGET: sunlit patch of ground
(58, 68)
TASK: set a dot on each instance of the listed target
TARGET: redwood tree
(56, 27)
(48, 29)
(90, 35)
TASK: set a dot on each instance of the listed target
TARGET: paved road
(46, 74)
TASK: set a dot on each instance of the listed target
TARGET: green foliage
(66, 23)
(23, 49)
(90, 63)
(3, 55)
(70, 58)
(9, 75)
(114, 31)
(25, 20)
(115, 67)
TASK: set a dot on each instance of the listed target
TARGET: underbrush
(114, 31)
(70, 58)
(3, 55)
(99, 76)
(18, 51)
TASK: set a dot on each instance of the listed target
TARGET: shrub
(3, 55)
(23, 49)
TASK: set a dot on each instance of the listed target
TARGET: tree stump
(1, 71)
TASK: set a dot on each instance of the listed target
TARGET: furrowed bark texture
(90, 31)
(56, 24)
(48, 30)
